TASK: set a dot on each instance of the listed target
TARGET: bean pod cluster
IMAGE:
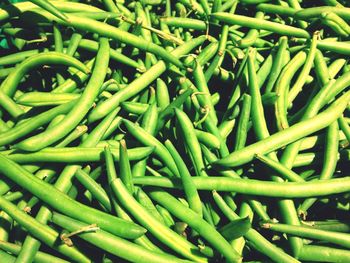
(175, 131)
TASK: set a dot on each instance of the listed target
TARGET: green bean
(18, 57)
(330, 225)
(336, 23)
(250, 38)
(192, 219)
(9, 85)
(161, 232)
(260, 243)
(7, 257)
(114, 55)
(344, 127)
(207, 139)
(40, 257)
(242, 127)
(277, 64)
(277, 9)
(219, 57)
(280, 168)
(191, 142)
(168, 112)
(281, 88)
(50, 8)
(124, 166)
(149, 122)
(50, 195)
(321, 68)
(96, 190)
(312, 12)
(77, 79)
(190, 190)
(10, 106)
(255, 187)
(211, 157)
(341, 239)
(37, 98)
(25, 128)
(147, 139)
(134, 107)
(162, 94)
(147, 203)
(105, 30)
(40, 231)
(324, 254)
(64, 183)
(9, 11)
(113, 244)
(140, 83)
(75, 155)
(80, 109)
(286, 136)
(330, 161)
(260, 24)
(201, 85)
(297, 87)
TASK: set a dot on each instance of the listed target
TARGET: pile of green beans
(174, 131)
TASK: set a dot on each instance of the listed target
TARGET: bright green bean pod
(250, 38)
(25, 128)
(344, 127)
(276, 9)
(50, 8)
(277, 64)
(75, 155)
(298, 85)
(113, 244)
(194, 221)
(147, 203)
(114, 55)
(255, 187)
(207, 139)
(260, 24)
(18, 57)
(160, 231)
(321, 68)
(324, 254)
(40, 231)
(260, 243)
(40, 257)
(51, 195)
(147, 139)
(124, 166)
(242, 127)
(149, 122)
(108, 31)
(80, 109)
(330, 161)
(162, 94)
(10, 106)
(281, 90)
(94, 188)
(168, 112)
(191, 193)
(312, 12)
(9, 85)
(284, 137)
(191, 141)
(142, 82)
(342, 239)
(72, 83)
(37, 98)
